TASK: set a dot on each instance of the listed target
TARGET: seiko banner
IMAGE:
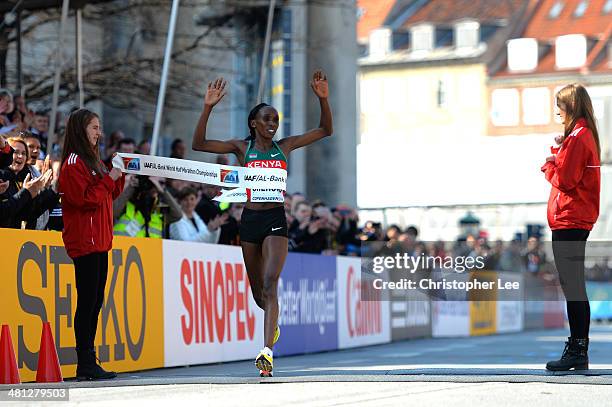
(38, 286)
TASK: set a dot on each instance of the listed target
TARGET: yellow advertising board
(483, 305)
(38, 285)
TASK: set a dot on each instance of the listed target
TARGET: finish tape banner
(249, 184)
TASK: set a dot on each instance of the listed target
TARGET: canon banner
(361, 321)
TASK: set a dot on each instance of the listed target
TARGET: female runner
(263, 227)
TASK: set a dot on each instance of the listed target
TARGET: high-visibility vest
(132, 223)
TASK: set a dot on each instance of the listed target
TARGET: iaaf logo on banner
(210, 314)
(229, 176)
(360, 321)
(132, 164)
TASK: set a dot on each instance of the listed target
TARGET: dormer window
(570, 51)
(380, 42)
(423, 37)
(522, 54)
(467, 34)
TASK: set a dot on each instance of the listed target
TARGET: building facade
(564, 42)
(424, 156)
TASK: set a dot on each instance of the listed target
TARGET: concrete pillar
(331, 163)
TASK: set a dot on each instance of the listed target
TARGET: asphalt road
(490, 370)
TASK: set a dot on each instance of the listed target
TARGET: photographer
(138, 211)
(308, 233)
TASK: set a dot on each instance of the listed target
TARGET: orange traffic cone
(9, 374)
(48, 364)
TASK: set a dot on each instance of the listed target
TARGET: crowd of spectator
(168, 208)
(28, 178)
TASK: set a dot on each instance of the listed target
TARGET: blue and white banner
(307, 294)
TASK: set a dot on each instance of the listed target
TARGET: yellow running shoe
(264, 361)
(276, 334)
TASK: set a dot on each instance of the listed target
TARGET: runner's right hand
(215, 92)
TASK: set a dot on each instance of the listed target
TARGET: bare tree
(125, 78)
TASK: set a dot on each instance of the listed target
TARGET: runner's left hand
(319, 84)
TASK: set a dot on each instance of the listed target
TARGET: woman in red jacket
(573, 208)
(87, 191)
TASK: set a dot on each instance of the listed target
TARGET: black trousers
(90, 272)
(568, 248)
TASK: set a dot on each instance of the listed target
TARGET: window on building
(442, 93)
(556, 9)
(581, 8)
(607, 8)
(536, 106)
(505, 107)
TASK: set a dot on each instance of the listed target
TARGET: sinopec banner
(210, 315)
(38, 285)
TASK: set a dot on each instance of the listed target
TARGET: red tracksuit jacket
(87, 207)
(575, 177)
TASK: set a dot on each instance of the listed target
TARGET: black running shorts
(256, 225)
